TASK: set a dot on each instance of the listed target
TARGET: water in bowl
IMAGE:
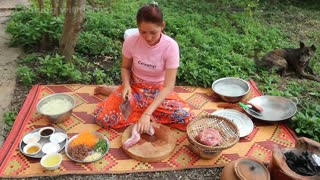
(230, 89)
(52, 160)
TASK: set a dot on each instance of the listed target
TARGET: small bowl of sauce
(46, 132)
(32, 148)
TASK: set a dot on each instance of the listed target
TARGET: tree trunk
(72, 26)
(41, 5)
(60, 7)
(54, 6)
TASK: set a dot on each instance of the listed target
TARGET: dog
(285, 59)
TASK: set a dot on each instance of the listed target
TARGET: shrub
(26, 75)
(27, 27)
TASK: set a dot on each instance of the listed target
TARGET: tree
(41, 5)
(57, 6)
(73, 24)
(60, 6)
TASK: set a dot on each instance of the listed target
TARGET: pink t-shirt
(150, 62)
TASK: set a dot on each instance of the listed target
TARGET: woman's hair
(150, 13)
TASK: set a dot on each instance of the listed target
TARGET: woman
(150, 61)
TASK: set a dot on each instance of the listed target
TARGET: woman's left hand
(144, 123)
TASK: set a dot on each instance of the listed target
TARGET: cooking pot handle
(295, 100)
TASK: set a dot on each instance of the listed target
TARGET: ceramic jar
(278, 167)
(245, 169)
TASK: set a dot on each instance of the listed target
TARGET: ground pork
(79, 152)
(210, 137)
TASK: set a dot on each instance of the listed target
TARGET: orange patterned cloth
(258, 144)
(173, 111)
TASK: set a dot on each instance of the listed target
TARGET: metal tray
(42, 141)
(243, 122)
(99, 135)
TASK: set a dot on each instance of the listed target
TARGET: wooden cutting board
(151, 148)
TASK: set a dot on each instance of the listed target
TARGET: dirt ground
(8, 55)
(13, 95)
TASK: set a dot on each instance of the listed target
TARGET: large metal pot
(275, 108)
(231, 89)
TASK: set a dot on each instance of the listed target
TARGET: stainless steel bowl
(231, 89)
(60, 116)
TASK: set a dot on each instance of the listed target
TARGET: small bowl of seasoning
(50, 147)
(31, 138)
(51, 161)
(58, 137)
(32, 148)
(46, 132)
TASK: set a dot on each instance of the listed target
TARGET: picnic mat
(203, 101)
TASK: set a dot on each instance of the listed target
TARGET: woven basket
(227, 129)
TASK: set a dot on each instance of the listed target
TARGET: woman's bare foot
(103, 90)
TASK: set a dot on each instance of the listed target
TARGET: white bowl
(50, 148)
(31, 138)
(58, 137)
(46, 132)
(32, 148)
(51, 161)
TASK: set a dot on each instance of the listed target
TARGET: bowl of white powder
(56, 107)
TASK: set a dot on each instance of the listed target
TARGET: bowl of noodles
(56, 107)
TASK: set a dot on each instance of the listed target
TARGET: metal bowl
(60, 115)
(231, 89)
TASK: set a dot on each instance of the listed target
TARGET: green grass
(216, 39)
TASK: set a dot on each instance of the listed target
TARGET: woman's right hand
(126, 92)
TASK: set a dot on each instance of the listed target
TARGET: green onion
(101, 146)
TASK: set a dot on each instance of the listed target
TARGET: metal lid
(242, 121)
(247, 168)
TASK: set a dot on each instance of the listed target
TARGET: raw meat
(210, 137)
(135, 136)
(256, 107)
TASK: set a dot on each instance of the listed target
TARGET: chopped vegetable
(101, 146)
(85, 138)
(93, 157)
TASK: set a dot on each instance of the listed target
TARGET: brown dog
(290, 58)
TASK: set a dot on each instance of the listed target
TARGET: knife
(125, 108)
(249, 107)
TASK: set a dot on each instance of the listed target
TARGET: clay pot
(280, 170)
(245, 169)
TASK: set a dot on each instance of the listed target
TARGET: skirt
(173, 111)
